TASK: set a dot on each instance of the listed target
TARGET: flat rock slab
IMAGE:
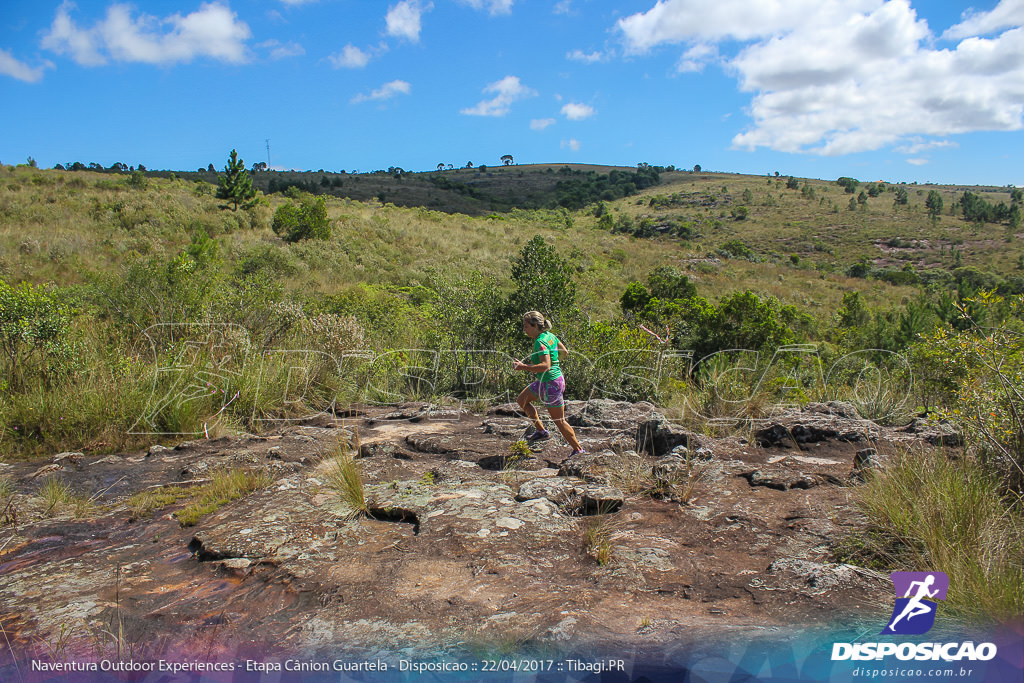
(451, 551)
(783, 479)
(573, 497)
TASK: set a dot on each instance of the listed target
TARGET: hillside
(58, 226)
(472, 191)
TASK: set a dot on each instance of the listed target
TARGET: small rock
(592, 467)
(156, 449)
(47, 469)
(509, 523)
(573, 497)
(274, 453)
(668, 468)
(866, 459)
(608, 414)
(235, 563)
(73, 457)
(659, 436)
(781, 480)
(509, 427)
(837, 408)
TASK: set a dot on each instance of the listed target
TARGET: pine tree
(236, 184)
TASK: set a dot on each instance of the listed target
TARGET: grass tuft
(599, 535)
(59, 496)
(928, 511)
(345, 479)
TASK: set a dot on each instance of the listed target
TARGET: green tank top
(546, 344)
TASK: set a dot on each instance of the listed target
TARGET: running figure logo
(914, 612)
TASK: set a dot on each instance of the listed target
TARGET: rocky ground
(657, 536)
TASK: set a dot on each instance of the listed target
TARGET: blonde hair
(537, 319)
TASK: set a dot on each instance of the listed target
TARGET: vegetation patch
(931, 511)
(226, 486)
(59, 497)
(145, 503)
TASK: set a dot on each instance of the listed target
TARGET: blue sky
(876, 89)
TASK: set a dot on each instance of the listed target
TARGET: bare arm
(542, 366)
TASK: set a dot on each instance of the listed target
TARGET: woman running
(549, 386)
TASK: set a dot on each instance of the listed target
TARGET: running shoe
(539, 435)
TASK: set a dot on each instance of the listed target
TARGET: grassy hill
(796, 244)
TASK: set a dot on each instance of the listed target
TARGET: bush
(543, 282)
(989, 363)
(738, 249)
(307, 220)
(635, 297)
(34, 334)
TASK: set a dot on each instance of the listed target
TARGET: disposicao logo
(914, 614)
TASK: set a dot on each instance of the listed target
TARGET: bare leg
(558, 415)
(525, 400)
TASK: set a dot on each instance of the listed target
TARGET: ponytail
(537, 318)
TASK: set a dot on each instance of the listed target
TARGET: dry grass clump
(600, 533)
(633, 474)
(344, 478)
(930, 511)
(60, 497)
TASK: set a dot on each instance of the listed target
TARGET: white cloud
(385, 92)
(9, 66)
(917, 145)
(573, 145)
(562, 7)
(834, 77)
(279, 50)
(211, 31)
(1007, 14)
(574, 111)
(541, 124)
(696, 58)
(404, 20)
(350, 57)
(65, 37)
(493, 6)
(508, 89)
(917, 162)
(675, 21)
(587, 58)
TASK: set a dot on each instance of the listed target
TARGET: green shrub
(737, 249)
(35, 334)
(635, 298)
(306, 220)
